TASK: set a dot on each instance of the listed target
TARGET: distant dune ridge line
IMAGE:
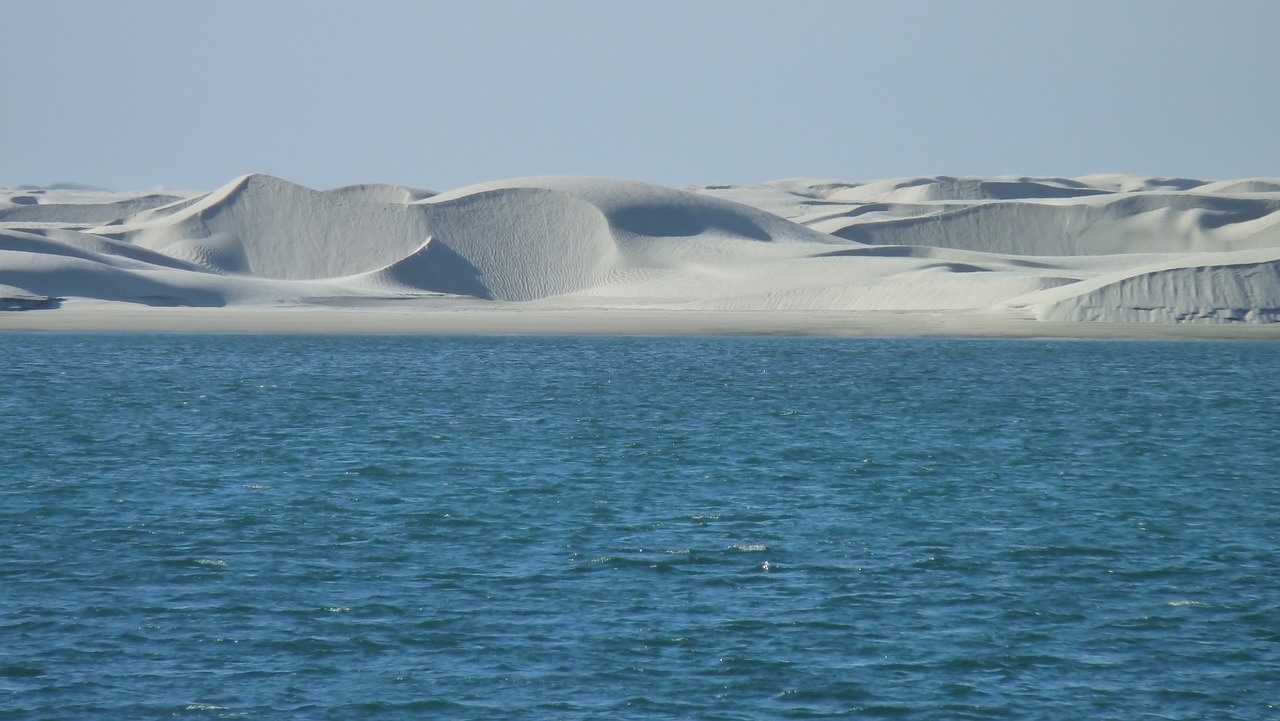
(1109, 248)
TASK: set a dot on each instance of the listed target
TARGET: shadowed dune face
(1000, 190)
(516, 244)
(1107, 247)
(882, 251)
(959, 268)
(437, 268)
(674, 221)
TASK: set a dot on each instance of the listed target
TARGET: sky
(143, 94)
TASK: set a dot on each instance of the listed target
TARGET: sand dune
(74, 207)
(1110, 248)
(1213, 288)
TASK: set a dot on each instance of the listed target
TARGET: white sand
(1102, 256)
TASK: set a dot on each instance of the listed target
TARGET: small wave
(1187, 603)
(211, 562)
(204, 707)
(751, 547)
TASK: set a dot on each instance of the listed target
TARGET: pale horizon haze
(139, 94)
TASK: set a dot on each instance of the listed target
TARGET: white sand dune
(1218, 287)
(1110, 248)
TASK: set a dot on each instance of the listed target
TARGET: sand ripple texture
(512, 528)
(1099, 248)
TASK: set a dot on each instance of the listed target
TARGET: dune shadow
(30, 302)
(675, 221)
(854, 232)
(1026, 190)
(880, 251)
(438, 268)
(957, 267)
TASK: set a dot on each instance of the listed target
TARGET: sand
(1096, 257)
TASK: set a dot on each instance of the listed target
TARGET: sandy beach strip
(518, 319)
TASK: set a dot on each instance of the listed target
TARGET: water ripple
(490, 528)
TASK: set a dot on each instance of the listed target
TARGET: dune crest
(1111, 248)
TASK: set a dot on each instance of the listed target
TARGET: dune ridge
(1101, 248)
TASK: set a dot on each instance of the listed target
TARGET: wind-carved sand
(932, 255)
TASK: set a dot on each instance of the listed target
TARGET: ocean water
(602, 528)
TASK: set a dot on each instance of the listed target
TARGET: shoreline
(472, 318)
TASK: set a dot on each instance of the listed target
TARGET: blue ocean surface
(612, 528)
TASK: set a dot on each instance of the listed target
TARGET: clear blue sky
(139, 94)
